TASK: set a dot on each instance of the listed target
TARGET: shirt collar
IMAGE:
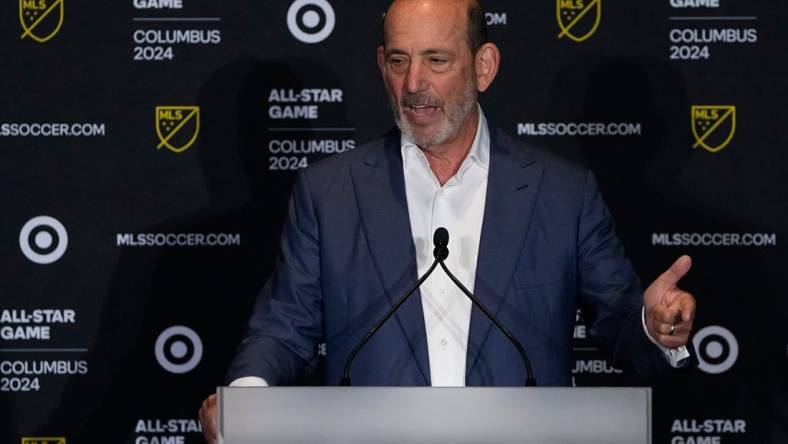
(479, 153)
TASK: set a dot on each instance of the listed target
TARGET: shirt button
(444, 342)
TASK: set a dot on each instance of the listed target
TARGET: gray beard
(447, 130)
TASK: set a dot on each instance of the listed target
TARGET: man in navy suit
(529, 234)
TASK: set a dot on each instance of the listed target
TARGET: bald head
(435, 61)
(470, 13)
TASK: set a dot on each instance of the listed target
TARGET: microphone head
(441, 237)
(441, 240)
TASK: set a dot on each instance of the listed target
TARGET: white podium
(434, 415)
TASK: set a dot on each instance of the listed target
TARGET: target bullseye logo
(178, 349)
(43, 239)
(311, 21)
(717, 349)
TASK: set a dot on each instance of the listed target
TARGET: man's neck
(445, 159)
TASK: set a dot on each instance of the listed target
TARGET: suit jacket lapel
(379, 185)
(512, 187)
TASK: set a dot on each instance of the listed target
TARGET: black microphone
(443, 236)
(441, 240)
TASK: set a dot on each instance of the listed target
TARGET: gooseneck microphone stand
(441, 252)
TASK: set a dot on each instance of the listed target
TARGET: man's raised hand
(670, 311)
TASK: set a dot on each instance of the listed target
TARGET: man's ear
(488, 60)
(382, 60)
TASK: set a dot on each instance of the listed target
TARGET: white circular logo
(43, 239)
(178, 349)
(311, 21)
(717, 349)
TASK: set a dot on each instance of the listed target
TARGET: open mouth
(421, 111)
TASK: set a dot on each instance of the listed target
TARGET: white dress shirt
(458, 206)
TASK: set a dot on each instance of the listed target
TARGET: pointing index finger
(688, 308)
(665, 314)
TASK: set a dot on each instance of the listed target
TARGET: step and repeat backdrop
(148, 148)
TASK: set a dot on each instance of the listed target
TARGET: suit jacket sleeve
(610, 292)
(280, 344)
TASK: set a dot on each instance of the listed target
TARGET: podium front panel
(434, 415)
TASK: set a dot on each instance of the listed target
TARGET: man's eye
(438, 61)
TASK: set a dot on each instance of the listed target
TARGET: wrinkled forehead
(416, 24)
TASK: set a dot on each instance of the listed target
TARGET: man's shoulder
(337, 166)
(555, 167)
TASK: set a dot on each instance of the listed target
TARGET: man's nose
(416, 80)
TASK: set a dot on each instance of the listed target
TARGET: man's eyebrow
(395, 51)
(434, 51)
(425, 52)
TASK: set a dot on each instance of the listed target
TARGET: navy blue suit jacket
(547, 247)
